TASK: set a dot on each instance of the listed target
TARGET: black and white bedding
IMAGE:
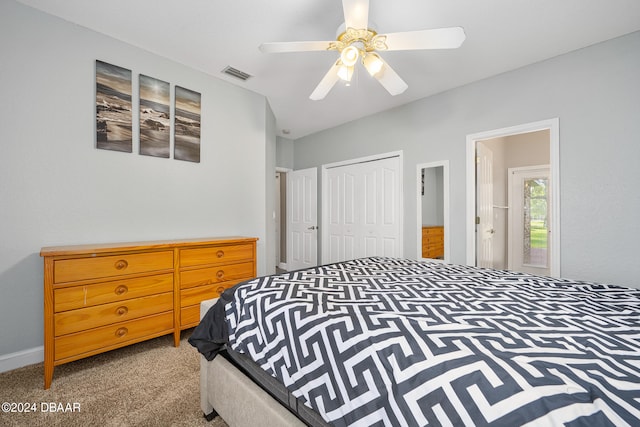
(380, 341)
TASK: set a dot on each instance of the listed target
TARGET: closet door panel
(363, 214)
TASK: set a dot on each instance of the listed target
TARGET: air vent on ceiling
(234, 72)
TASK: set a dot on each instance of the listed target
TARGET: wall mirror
(433, 211)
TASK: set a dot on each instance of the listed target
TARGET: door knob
(313, 227)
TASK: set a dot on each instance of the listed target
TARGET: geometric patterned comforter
(382, 341)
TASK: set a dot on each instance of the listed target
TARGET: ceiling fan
(359, 42)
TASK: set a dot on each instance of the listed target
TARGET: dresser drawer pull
(121, 290)
(220, 254)
(122, 310)
(220, 290)
(121, 332)
(220, 274)
(121, 264)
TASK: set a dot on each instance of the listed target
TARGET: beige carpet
(146, 384)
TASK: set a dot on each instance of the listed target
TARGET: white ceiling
(208, 35)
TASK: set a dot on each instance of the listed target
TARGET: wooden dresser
(433, 242)
(101, 297)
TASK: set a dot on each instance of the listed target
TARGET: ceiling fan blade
(440, 38)
(356, 14)
(282, 47)
(390, 80)
(327, 82)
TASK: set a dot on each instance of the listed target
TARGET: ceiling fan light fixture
(349, 56)
(373, 63)
(345, 72)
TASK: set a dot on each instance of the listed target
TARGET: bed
(385, 341)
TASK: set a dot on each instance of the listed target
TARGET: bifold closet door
(363, 209)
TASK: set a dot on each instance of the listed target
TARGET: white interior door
(302, 219)
(362, 206)
(342, 224)
(484, 206)
(380, 231)
(530, 220)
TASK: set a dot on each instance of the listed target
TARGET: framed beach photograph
(155, 120)
(113, 108)
(187, 125)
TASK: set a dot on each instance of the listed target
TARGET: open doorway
(494, 210)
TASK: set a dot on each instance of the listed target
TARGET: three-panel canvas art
(114, 115)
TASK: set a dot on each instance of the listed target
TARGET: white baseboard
(283, 265)
(11, 361)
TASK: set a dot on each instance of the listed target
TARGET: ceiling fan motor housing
(365, 40)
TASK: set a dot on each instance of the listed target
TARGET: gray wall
(56, 188)
(284, 153)
(595, 93)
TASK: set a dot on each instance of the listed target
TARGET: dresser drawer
(113, 336)
(433, 247)
(193, 296)
(70, 270)
(213, 255)
(433, 231)
(212, 275)
(433, 252)
(189, 316)
(433, 240)
(106, 292)
(82, 319)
